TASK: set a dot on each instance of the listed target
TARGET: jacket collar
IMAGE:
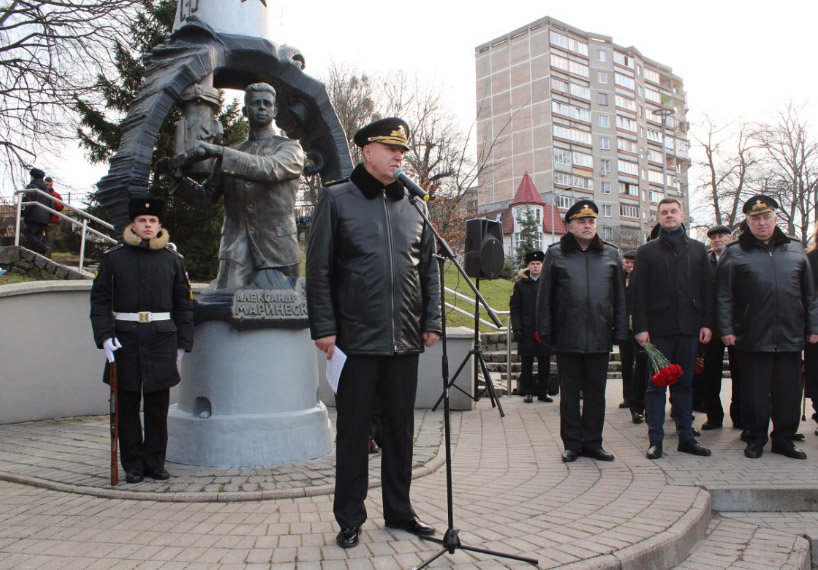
(371, 187)
(569, 243)
(748, 240)
(159, 242)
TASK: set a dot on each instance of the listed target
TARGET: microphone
(410, 185)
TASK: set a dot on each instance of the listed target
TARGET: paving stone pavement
(512, 494)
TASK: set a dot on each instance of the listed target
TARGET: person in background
(811, 350)
(54, 224)
(35, 217)
(626, 349)
(523, 305)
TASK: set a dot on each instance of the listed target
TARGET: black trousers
(770, 389)
(735, 382)
(527, 383)
(639, 384)
(364, 378)
(711, 380)
(138, 453)
(626, 356)
(587, 373)
(34, 236)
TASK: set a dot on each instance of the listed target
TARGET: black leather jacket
(766, 295)
(581, 300)
(372, 279)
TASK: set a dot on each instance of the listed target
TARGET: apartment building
(585, 118)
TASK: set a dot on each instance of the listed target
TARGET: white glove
(180, 352)
(111, 345)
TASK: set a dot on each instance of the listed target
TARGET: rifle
(114, 425)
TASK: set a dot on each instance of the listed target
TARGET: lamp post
(664, 112)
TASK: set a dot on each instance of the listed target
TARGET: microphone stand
(451, 539)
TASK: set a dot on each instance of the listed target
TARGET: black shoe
(569, 455)
(816, 431)
(753, 451)
(693, 447)
(348, 537)
(789, 451)
(711, 425)
(134, 476)
(637, 418)
(596, 453)
(745, 436)
(654, 451)
(161, 475)
(696, 433)
(624, 404)
(798, 437)
(528, 398)
(413, 525)
(545, 399)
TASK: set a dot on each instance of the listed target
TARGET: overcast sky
(737, 59)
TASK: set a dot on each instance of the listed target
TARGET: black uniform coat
(143, 276)
(766, 295)
(35, 214)
(372, 279)
(672, 293)
(581, 299)
(523, 308)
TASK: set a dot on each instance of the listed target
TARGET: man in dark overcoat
(142, 316)
(35, 217)
(767, 306)
(672, 309)
(581, 311)
(373, 291)
(523, 309)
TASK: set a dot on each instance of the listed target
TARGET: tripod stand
(479, 361)
(451, 539)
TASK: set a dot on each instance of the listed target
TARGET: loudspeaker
(484, 249)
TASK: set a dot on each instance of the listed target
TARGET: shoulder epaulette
(174, 252)
(616, 247)
(336, 182)
(116, 247)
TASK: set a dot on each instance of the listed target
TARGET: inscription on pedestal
(268, 304)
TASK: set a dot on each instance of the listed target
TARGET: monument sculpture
(249, 391)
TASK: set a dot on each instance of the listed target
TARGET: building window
(627, 211)
(604, 121)
(625, 123)
(607, 233)
(628, 167)
(564, 202)
(656, 197)
(628, 189)
(626, 145)
(607, 211)
(606, 165)
(625, 103)
(652, 95)
(624, 81)
(562, 178)
(562, 156)
(602, 77)
(582, 159)
(606, 187)
(603, 99)
(583, 182)
(601, 55)
(623, 59)
(604, 143)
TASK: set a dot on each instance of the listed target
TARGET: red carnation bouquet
(667, 374)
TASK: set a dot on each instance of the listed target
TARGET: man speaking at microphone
(373, 291)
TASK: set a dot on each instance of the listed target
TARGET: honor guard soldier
(523, 308)
(581, 311)
(766, 306)
(142, 316)
(373, 291)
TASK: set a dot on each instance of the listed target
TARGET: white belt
(142, 317)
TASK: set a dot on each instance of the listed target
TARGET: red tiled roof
(559, 227)
(527, 193)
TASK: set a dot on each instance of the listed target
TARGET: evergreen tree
(196, 234)
(530, 230)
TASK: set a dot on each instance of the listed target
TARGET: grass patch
(9, 278)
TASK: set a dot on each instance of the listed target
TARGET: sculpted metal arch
(192, 53)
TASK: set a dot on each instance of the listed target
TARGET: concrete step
(730, 543)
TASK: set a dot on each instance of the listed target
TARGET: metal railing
(82, 223)
(506, 329)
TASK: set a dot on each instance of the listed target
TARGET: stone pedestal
(247, 398)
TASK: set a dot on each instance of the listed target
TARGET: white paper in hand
(334, 367)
